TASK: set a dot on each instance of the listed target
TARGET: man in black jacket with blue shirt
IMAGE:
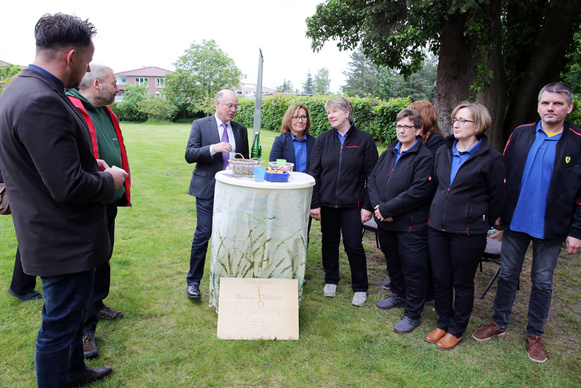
(543, 205)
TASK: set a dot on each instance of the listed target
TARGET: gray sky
(133, 34)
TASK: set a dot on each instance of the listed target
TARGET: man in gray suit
(213, 140)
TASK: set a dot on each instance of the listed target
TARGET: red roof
(151, 71)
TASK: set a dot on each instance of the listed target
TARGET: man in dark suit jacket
(213, 140)
(57, 189)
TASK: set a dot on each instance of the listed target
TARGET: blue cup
(259, 172)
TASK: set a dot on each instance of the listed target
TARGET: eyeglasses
(405, 127)
(232, 106)
(461, 121)
(299, 118)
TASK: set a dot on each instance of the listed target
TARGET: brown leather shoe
(487, 331)
(536, 349)
(89, 346)
(448, 342)
(435, 335)
(90, 375)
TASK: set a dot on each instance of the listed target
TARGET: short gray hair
(98, 72)
(340, 103)
(558, 87)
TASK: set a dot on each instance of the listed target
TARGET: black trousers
(21, 283)
(346, 222)
(102, 281)
(455, 258)
(407, 258)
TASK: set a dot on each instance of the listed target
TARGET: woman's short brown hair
(285, 126)
(414, 116)
(482, 118)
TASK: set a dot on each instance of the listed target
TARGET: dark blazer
(55, 187)
(283, 148)
(205, 133)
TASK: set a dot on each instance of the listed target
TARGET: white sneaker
(330, 290)
(359, 299)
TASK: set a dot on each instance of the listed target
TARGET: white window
(160, 83)
(141, 81)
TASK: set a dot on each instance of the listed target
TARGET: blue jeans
(59, 346)
(204, 213)
(514, 247)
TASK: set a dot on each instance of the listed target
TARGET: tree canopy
(322, 81)
(309, 84)
(480, 45)
(201, 73)
(6, 74)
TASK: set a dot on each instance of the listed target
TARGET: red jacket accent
(126, 199)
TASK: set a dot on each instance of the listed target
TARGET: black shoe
(32, 295)
(90, 375)
(109, 314)
(194, 291)
(387, 286)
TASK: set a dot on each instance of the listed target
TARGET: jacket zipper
(338, 177)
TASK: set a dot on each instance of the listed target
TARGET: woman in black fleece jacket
(468, 200)
(341, 161)
(400, 189)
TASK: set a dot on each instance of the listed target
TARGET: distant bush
(575, 116)
(369, 113)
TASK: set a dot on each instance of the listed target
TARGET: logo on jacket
(567, 159)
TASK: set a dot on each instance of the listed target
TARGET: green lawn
(167, 340)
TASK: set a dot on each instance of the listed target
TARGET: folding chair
(371, 225)
(492, 254)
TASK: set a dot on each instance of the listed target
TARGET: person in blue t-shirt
(543, 205)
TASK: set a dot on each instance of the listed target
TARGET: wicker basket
(241, 166)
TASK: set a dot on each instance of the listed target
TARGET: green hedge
(369, 113)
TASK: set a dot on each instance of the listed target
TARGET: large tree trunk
(456, 70)
(546, 64)
(494, 94)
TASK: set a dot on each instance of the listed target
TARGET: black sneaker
(32, 295)
(406, 325)
(391, 302)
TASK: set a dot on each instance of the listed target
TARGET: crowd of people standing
(434, 199)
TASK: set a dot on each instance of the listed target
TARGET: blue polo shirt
(399, 154)
(300, 147)
(458, 158)
(529, 214)
(342, 137)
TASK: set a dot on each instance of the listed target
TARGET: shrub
(384, 123)
(369, 113)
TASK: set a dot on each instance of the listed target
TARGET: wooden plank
(254, 308)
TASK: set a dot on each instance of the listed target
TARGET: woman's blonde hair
(482, 119)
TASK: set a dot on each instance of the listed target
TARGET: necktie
(225, 155)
